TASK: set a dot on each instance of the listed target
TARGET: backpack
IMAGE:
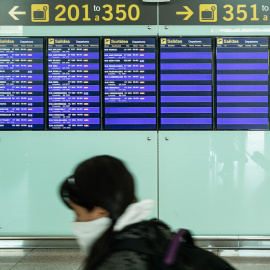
(175, 253)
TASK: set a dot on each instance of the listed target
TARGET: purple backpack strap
(173, 248)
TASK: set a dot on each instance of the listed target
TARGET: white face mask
(87, 233)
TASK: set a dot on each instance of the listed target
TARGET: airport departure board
(130, 83)
(21, 84)
(74, 87)
(242, 83)
(186, 83)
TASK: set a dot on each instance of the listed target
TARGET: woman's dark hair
(100, 181)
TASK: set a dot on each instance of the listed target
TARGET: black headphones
(69, 191)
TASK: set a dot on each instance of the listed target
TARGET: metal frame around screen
(157, 82)
(158, 96)
(47, 84)
(215, 89)
(213, 83)
(44, 81)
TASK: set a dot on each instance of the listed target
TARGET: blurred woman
(102, 195)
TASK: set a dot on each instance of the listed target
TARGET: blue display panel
(130, 83)
(74, 87)
(21, 83)
(242, 83)
(186, 83)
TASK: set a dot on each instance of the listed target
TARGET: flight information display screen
(74, 88)
(21, 84)
(242, 83)
(130, 83)
(186, 83)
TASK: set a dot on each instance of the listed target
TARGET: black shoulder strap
(138, 245)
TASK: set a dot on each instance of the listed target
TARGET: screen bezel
(100, 84)
(157, 62)
(213, 83)
(44, 82)
(234, 37)
(157, 85)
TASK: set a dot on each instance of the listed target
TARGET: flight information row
(62, 90)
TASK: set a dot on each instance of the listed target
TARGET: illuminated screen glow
(186, 83)
(130, 83)
(74, 87)
(242, 83)
(21, 84)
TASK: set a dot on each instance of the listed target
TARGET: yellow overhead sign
(40, 13)
(188, 13)
(208, 13)
(214, 12)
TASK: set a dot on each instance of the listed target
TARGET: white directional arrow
(13, 12)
